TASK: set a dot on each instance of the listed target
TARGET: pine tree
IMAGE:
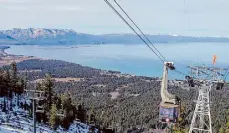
(180, 126)
(7, 83)
(57, 101)
(22, 85)
(14, 74)
(222, 130)
(8, 76)
(4, 106)
(48, 87)
(225, 128)
(91, 115)
(3, 86)
(81, 113)
(53, 117)
(39, 86)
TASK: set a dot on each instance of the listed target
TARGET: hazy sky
(183, 17)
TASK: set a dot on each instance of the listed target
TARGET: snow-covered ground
(17, 121)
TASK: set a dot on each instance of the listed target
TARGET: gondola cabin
(190, 81)
(219, 84)
(168, 113)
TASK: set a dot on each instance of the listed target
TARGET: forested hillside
(109, 99)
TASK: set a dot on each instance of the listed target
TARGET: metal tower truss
(201, 121)
(198, 72)
(218, 73)
(210, 77)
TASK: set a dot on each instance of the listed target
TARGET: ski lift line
(217, 72)
(226, 74)
(207, 76)
(128, 24)
(205, 72)
(139, 29)
(112, 7)
(180, 72)
(183, 73)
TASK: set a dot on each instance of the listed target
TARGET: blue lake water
(134, 59)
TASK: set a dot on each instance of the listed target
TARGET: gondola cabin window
(168, 114)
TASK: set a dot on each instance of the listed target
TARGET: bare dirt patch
(35, 70)
(8, 59)
(68, 79)
(114, 95)
(99, 85)
(61, 80)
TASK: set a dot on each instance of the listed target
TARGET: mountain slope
(6, 39)
(49, 36)
(3, 36)
(64, 36)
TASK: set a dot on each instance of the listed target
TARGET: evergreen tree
(222, 130)
(81, 113)
(225, 128)
(180, 126)
(4, 106)
(4, 83)
(48, 87)
(39, 86)
(7, 83)
(53, 117)
(69, 110)
(8, 77)
(22, 85)
(14, 74)
(91, 115)
(57, 101)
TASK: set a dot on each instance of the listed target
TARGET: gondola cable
(139, 28)
(145, 42)
(226, 74)
(112, 7)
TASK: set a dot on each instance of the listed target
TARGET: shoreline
(7, 59)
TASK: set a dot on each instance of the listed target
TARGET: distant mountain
(3, 36)
(5, 39)
(131, 38)
(49, 36)
(64, 36)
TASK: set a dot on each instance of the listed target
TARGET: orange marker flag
(214, 59)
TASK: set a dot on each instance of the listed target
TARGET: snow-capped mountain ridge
(43, 36)
(4, 36)
(32, 33)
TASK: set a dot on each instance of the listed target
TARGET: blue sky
(183, 17)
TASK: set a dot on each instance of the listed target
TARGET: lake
(136, 59)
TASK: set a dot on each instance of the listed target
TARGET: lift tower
(201, 121)
(207, 76)
(35, 96)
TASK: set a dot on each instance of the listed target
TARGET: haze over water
(134, 59)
